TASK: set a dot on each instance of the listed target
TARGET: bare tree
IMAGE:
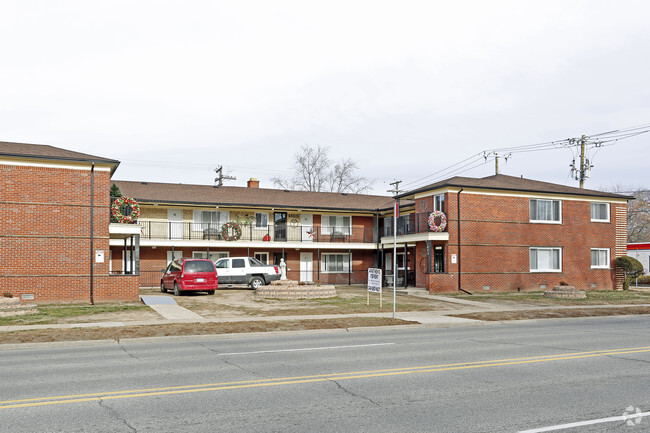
(638, 212)
(314, 172)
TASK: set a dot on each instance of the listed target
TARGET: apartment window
(335, 223)
(261, 220)
(214, 256)
(600, 258)
(209, 219)
(262, 257)
(600, 212)
(176, 255)
(333, 263)
(548, 211)
(439, 202)
(545, 259)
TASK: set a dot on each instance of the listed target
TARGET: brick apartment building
(45, 226)
(501, 233)
(510, 233)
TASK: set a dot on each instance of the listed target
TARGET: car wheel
(176, 291)
(162, 287)
(256, 282)
(210, 292)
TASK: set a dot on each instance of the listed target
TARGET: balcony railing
(410, 224)
(171, 230)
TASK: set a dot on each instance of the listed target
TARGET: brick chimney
(253, 183)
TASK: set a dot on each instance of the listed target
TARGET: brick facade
(496, 235)
(45, 234)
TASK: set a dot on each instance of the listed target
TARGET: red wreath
(119, 216)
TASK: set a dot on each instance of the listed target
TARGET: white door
(175, 223)
(307, 223)
(307, 267)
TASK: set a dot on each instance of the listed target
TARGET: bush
(7, 295)
(631, 268)
(645, 279)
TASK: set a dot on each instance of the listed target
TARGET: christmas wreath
(432, 221)
(236, 231)
(121, 202)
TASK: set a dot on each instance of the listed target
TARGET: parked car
(246, 270)
(189, 275)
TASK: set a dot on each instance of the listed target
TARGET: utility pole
(496, 159)
(220, 177)
(396, 190)
(582, 161)
(395, 216)
(581, 172)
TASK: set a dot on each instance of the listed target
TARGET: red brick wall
(496, 236)
(45, 233)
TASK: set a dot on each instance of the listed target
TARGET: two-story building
(323, 237)
(511, 233)
(54, 226)
(59, 242)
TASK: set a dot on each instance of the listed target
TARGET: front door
(307, 223)
(307, 267)
(175, 223)
(280, 224)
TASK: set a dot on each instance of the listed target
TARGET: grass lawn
(53, 313)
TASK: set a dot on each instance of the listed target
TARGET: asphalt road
(495, 378)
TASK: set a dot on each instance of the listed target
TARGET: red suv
(197, 275)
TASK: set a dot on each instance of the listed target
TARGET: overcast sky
(406, 88)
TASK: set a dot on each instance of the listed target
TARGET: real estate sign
(374, 280)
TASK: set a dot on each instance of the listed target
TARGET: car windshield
(199, 266)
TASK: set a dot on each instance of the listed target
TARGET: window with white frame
(548, 211)
(261, 220)
(600, 212)
(335, 263)
(545, 259)
(214, 255)
(439, 202)
(204, 219)
(600, 258)
(262, 257)
(176, 255)
(335, 224)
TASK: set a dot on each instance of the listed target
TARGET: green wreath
(236, 231)
(119, 216)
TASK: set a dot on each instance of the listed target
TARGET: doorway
(307, 267)
(280, 226)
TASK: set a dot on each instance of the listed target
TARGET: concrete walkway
(170, 310)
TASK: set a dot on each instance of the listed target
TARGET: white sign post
(374, 284)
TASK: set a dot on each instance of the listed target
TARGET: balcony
(413, 227)
(191, 231)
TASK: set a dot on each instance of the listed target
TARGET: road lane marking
(304, 349)
(147, 392)
(589, 422)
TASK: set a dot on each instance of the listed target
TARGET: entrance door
(175, 223)
(280, 225)
(307, 267)
(307, 223)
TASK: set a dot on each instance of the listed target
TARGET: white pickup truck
(245, 270)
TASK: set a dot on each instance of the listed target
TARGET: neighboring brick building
(510, 233)
(45, 242)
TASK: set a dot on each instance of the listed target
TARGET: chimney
(253, 183)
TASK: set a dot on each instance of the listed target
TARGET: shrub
(7, 295)
(631, 268)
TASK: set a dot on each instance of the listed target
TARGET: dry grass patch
(164, 330)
